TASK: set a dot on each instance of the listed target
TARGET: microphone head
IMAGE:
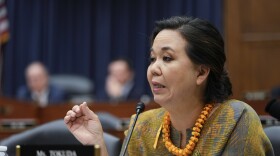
(273, 108)
(140, 107)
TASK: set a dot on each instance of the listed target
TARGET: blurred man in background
(120, 82)
(38, 88)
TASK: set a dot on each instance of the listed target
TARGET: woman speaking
(189, 81)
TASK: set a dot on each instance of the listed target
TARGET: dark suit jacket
(275, 92)
(56, 95)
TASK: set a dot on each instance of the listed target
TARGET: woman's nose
(155, 68)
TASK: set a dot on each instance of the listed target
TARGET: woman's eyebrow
(167, 48)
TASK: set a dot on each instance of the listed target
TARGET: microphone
(273, 108)
(139, 109)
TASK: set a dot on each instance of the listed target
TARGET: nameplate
(57, 150)
(17, 124)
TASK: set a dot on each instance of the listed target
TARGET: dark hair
(126, 60)
(205, 46)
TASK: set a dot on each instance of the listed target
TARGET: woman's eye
(167, 59)
(152, 59)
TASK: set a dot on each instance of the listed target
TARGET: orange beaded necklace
(195, 133)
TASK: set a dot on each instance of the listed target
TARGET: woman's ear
(203, 72)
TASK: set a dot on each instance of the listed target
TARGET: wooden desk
(13, 109)
(121, 110)
(18, 111)
(10, 108)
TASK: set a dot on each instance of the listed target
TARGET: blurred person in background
(38, 88)
(120, 84)
(275, 92)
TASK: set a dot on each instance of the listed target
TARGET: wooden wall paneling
(232, 36)
(252, 40)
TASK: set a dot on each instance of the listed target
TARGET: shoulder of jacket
(239, 105)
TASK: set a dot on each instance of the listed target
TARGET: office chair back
(273, 133)
(78, 88)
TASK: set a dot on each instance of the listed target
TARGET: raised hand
(85, 126)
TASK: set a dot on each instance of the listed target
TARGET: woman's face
(171, 75)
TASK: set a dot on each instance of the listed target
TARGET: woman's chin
(161, 101)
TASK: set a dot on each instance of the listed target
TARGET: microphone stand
(139, 109)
